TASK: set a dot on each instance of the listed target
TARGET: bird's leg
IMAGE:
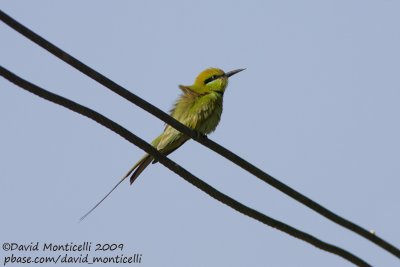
(199, 135)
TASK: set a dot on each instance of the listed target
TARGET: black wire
(194, 135)
(132, 138)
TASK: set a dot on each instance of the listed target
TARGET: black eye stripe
(212, 78)
(209, 79)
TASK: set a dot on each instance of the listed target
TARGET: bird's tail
(137, 169)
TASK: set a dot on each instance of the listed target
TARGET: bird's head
(212, 80)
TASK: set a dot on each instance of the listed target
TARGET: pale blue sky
(318, 108)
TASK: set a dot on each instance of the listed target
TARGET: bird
(199, 107)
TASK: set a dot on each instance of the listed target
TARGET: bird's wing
(170, 140)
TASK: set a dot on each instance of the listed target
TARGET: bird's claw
(200, 135)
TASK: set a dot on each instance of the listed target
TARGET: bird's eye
(212, 78)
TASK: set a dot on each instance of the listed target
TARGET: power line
(194, 135)
(132, 138)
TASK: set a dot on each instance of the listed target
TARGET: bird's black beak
(233, 72)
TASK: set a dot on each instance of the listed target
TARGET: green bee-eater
(199, 107)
